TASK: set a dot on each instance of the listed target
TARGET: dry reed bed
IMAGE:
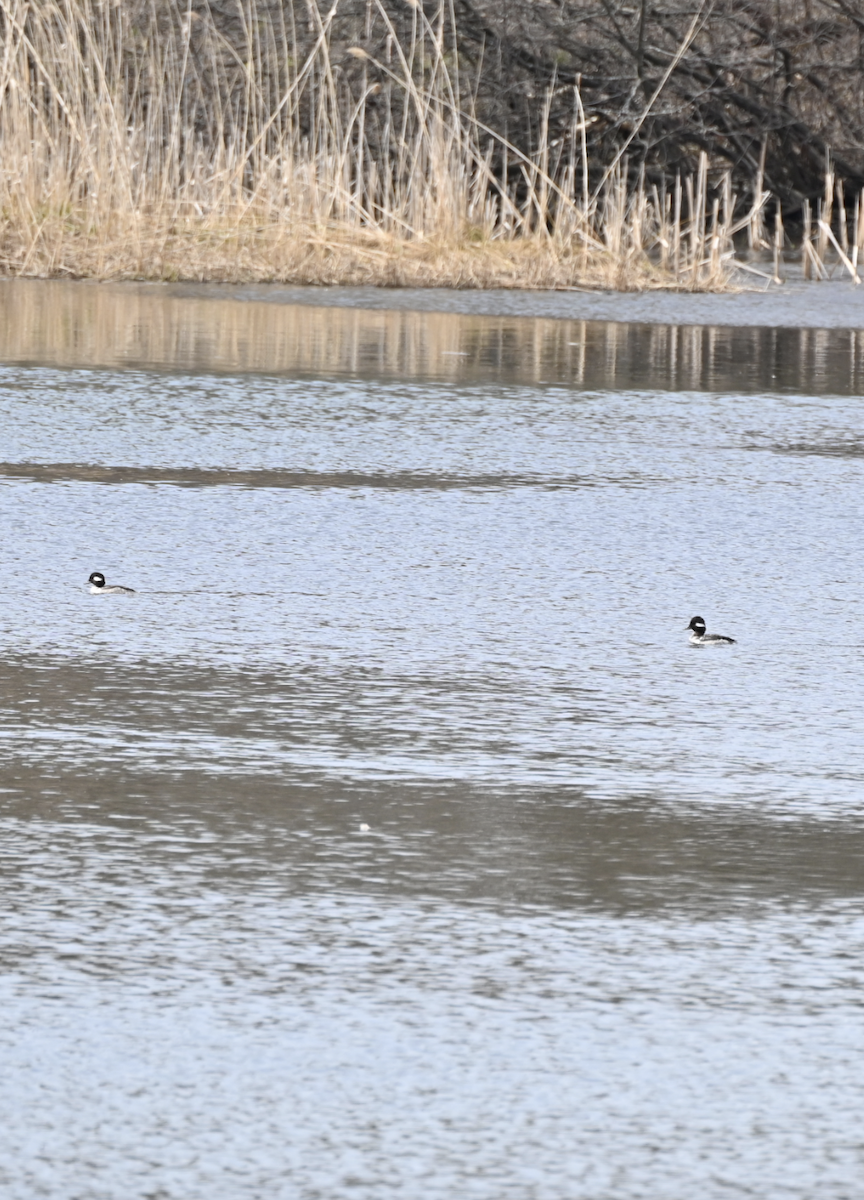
(132, 149)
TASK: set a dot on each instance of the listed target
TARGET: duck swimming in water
(98, 587)
(699, 637)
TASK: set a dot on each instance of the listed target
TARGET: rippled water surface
(392, 840)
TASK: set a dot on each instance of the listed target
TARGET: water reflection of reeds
(82, 325)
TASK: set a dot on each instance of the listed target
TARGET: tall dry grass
(136, 143)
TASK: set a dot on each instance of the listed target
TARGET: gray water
(392, 840)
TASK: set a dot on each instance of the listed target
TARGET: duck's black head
(97, 579)
(698, 626)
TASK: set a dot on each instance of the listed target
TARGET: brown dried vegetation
(537, 143)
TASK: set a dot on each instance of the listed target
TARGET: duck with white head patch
(699, 637)
(98, 587)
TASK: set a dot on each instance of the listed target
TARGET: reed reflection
(128, 325)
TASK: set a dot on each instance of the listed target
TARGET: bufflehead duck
(98, 588)
(700, 638)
